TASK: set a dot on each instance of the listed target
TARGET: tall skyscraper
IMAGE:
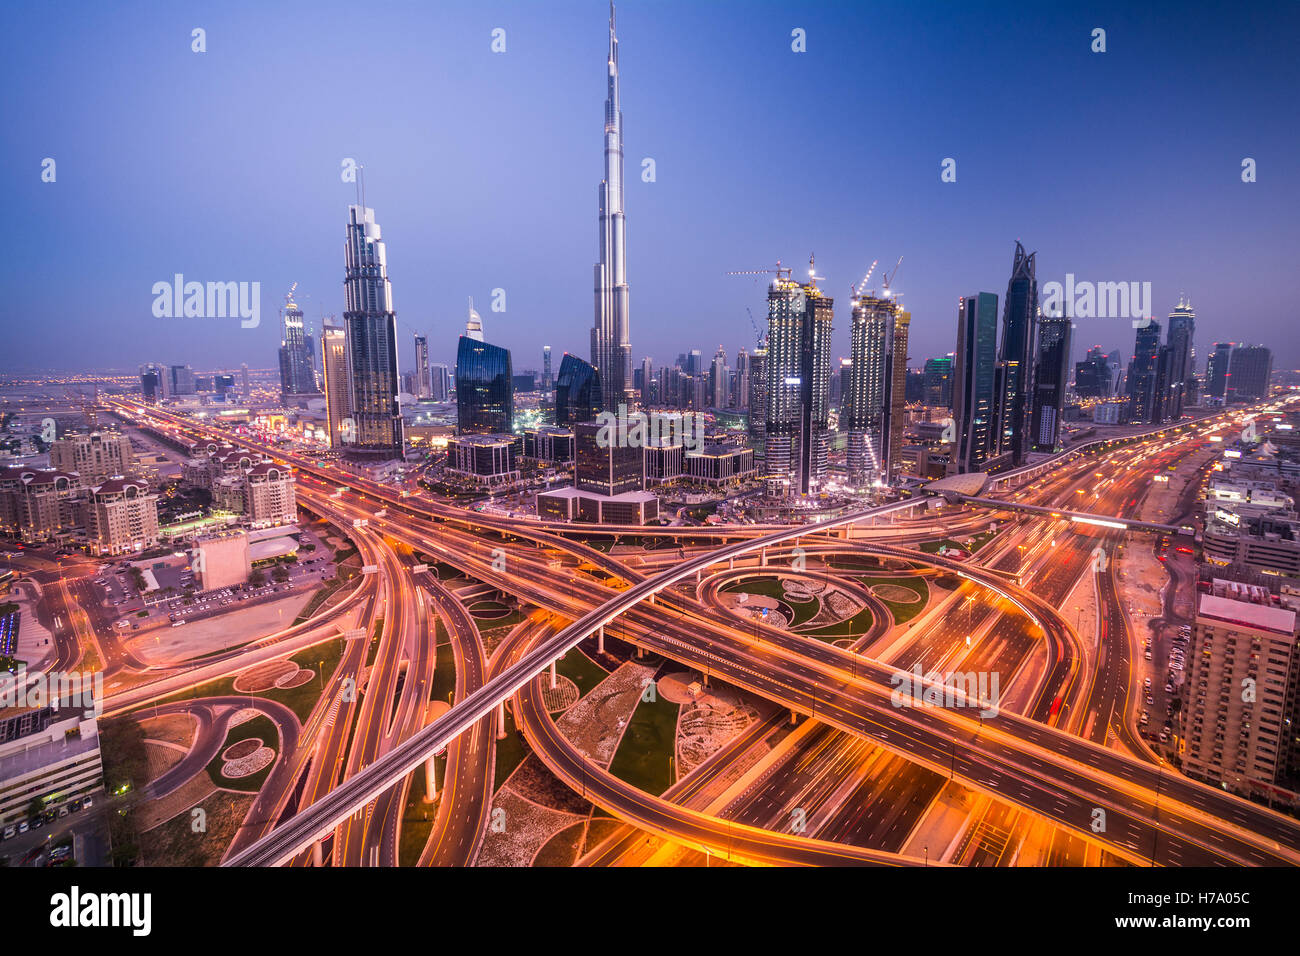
(297, 373)
(1051, 373)
(1216, 369)
(577, 392)
(974, 393)
(547, 383)
(151, 382)
(246, 390)
(1182, 329)
(1015, 357)
(798, 381)
(473, 323)
(938, 381)
(441, 384)
(647, 381)
(719, 379)
(485, 394)
(1143, 370)
(371, 327)
(611, 344)
(758, 402)
(423, 387)
(897, 403)
(867, 399)
(1249, 372)
(741, 399)
(334, 364)
(1092, 376)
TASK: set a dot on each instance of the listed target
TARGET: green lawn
(648, 744)
(260, 727)
(904, 612)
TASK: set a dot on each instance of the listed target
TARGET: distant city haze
(484, 167)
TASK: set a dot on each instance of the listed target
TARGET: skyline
(467, 209)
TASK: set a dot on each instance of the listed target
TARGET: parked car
(10, 833)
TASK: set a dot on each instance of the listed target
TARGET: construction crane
(760, 340)
(865, 279)
(779, 271)
(890, 276)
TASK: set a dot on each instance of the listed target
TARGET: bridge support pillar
(501, 720)
(317, 854)
(731, 563)
(600, 639)
(430, 781)
(762, 558)
(794, 716)
(552, 675)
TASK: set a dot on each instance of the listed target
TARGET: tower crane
(865, 279)
(889, 277)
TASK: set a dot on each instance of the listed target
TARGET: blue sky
(483, 167)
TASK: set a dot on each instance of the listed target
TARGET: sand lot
(171, 645)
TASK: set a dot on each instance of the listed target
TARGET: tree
(257, 578)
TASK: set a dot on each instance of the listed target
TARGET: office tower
(1216, 369)
(1243, 636)
(896, 403)
(121, 516)
(547, 384)
(974, 392)
(1162, 401)
(798, 382)
(334, 365)
(151, 382)
(473, 323)
(1115, 362)
(1092, 376)
(611, 348)
(1142, 372)
(605, 467)
(485, 398)
(577, 392)
(525, 380)
(647, 381)
(440, 387)
(914, 386)
(1015, 358)
(758, 401)
(1182, 329)
(95, 456)
(845, 390)
(719, 379)
(246, 390)
(741, 386)
(867, 399)
(1051, 373)
(297, 375)
(423, 387)
(180, 381)
(371, 327)
(1248, 373)
(938, 382)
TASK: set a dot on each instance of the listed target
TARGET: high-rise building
(1182, 332)
(473, 323)
(338, 400)
(95, 456)
(1143, 371)
(798, 382)
(1015, 357)
(758, 401)
(1248, 373)
(1051, 373)
(897, 404)
(297, 374)
(180, 381)
(245, 389)
(121, 517)
(1216, 369)
(371, 326)
(151, 382)
(741, 388)
(867, 398)
(719, 379)
(938, 381)
(602, 466)
(485, 395)
(423, 387)
(611, 344)
(1092, 376)
(647, 381)
(577, 391)
(547, 382)
(974, 393)
(441, 384)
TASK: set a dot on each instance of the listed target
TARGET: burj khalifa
(611, 346)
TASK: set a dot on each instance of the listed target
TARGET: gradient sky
(483, 168)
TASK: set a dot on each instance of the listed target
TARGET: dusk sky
(483, 167)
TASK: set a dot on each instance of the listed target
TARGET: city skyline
(537, 262)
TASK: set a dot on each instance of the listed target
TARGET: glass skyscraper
(1051, 372)
(798, 382)
(974, 391)
(577, 391)
(371, 327)
(485, 394)
(1015, 357)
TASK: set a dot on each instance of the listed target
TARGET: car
(37, 823)
(10, 833)
(76, 805)
(24, 827)
(63, 811)
(87, 803)
(1164, 736)
(1147, 655)
(1147, 682)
